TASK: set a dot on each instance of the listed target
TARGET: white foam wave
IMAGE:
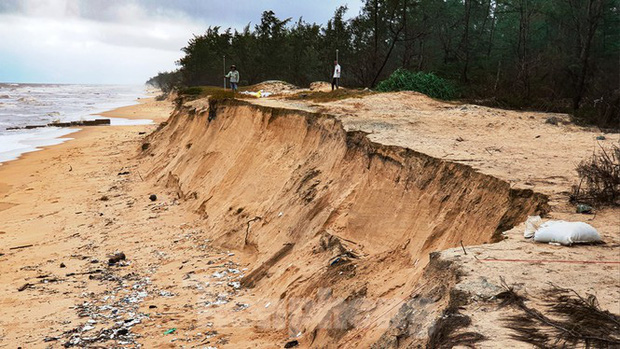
(15, 143)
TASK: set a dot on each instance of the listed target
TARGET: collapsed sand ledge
(329, 216)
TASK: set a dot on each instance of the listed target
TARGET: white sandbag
(531, 225)
(566, 233)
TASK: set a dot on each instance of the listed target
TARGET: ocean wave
(27, 100)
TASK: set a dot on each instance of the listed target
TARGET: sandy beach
(51, 203)
(277, 241)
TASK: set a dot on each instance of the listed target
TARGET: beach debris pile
(257, 94)
(130, 298)
(112, 314)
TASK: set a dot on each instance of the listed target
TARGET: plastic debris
(171, 331)
(291, 344)
(531, 225)
(583, 208)
(257, 94)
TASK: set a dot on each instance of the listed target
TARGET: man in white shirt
(336, 77)
(233, 75)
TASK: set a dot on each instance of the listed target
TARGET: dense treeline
(555, 55)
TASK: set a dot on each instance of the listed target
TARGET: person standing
(233, 75)
(336, 77)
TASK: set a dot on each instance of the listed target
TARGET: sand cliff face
(337, 229)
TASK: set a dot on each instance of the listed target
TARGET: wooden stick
(463, 247)
(18, 247)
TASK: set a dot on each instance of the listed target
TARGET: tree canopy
(554, 55)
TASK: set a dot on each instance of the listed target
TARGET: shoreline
(117, 115)
(46, 218)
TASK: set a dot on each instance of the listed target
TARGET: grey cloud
(91, 41)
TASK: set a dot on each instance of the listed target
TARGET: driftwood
(20, 247)
(96, 122)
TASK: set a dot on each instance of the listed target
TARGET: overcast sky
(123, 41)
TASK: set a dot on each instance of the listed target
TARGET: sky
(123, 41)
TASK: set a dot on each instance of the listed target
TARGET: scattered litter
(552, 120)
(241, 306)
(258, 94)
(219, 275)
(165, 293)
(171, 331)
(221, 299)
(291, 344)
(531, 225)
(117, 257)
(600, 138)
(153, 197)
(345, 257)
(583, 208)
(335, 261)
(267, 305)
(24, 286)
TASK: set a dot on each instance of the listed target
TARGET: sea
(38, 104)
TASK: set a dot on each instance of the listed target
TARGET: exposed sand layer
(271, 226)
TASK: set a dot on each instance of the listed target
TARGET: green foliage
(427, 83)
(531, 53)
(192, 91)
(213, 92)
(166, 81)
(336, 95)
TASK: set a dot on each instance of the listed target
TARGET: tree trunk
(465, 40)
(592, 20)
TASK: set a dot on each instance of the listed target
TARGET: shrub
(325, 96)
(599, 178)
(213, 92)
(191, 91)
(427, 83)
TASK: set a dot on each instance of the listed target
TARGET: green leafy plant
(427, 83)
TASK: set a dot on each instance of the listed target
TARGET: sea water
(40, 104)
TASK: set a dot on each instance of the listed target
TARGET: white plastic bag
(531, 225)
(566, 233)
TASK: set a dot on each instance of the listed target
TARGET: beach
(50, 200)
(272, 224)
